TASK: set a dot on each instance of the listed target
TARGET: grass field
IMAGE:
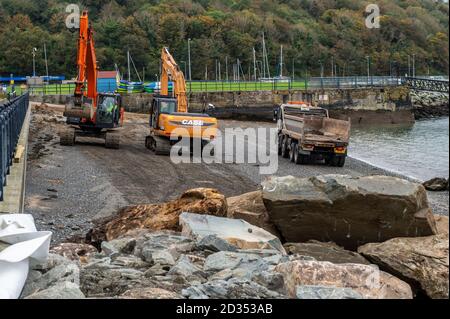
(192, 87)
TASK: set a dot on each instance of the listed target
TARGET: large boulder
(237, 232)
(423, 262)
(325, 252)
(347, 210)
(160, 216)
(366, 280)
(250, 207)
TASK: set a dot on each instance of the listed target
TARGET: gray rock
(184, 267)
(232, 289)
(104, 282)
(215, 244)
(64, 290)
(169, 241)
(57, 270)
(347, 210)
(150, 293)
(229, 260)
(129, 262)
(157, 270)
(103, 263)
(162, 257)
(271, 280)
(323, 292)
(124, 245)
(237, 232)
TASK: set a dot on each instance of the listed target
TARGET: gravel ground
(67, 188)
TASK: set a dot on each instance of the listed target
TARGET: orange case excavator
(169, 117)
(90, 113)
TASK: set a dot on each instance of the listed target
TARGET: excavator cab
(162, 105)
(108, 111)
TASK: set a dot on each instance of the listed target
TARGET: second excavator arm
(171, 71)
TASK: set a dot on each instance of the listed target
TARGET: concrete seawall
(363, 106)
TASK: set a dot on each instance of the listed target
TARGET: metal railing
(298, 84)
(12, 117)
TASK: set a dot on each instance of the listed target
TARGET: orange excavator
(169, 113)
(90, 113)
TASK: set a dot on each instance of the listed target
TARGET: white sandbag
(28, 247)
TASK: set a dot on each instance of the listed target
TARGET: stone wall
(376, 105)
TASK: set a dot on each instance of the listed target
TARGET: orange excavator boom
(86, 61)
(171, 71)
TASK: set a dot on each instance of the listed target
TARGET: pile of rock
(429, 104)
(342, 237)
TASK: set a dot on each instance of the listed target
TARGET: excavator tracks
(67, 137)
(112, 140)
(158, 145)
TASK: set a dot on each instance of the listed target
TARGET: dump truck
(307, 134)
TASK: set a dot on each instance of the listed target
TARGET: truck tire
(67, 137)
(297, 155)
(338, 161)
(280, 144)
(304, 159)
(292, 151)
(284, 147)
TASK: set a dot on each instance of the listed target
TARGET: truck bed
(317, 129)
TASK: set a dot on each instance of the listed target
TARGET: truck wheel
(342, 161)
(280, 144)
(296, 155)
(292, 152)
(284, 148)
(338, 161)
(304, 159)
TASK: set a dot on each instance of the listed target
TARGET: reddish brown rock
(325, 252)
(367, 280)
(423, 262)
(165, 216)
(250, 207)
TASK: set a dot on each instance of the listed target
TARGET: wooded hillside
(313, 33)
